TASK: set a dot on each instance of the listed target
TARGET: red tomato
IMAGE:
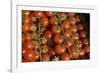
(26, 27)
(29, 55)
(86, 49)
(82, 34)
(48, 34)
(85, 42)
(59, 49)
(58, 39)
(28, 37)
(72, 48)
(75, 55)
(51, 52)
(49, 13)
(39, 14)
(74, 29)
(30, 45)
(44, 21)
(56, 30)
(24, 51)
(67, 34)
(66, 25)
(26, 12)
(65, 56)
(80, 27)
(27, 20)
(82, 53)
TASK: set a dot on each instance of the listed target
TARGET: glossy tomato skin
(80, 27)
(66, 25)
(59, 49)
(28, 37)
(86, 49)
(82, 34)
(48, 34)
(75, 55)
(58, 39)
(44, 21)
(74, 29)
(26, 27)
(29, 55)
(65, 56)
(85, 42)
(56, 30)
(39, 14)
(30, 45)
(82, 53)
(72, 48)
(51, 52)
(49, 13)
(67, 34)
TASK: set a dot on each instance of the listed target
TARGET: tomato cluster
(53, 36)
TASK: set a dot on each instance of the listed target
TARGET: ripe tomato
(82, 34)
(49, 13)
(39, 14)
(72, 48)
(66, 25)
(74, 29)
(26, 20)
(26, 12)
(24, 51)
(80, 27)
(65, 56)
(26, 27)
(59, 49)
(28, 37)
(85, 42)
(58, 39)
(82, 53)
(70, 43)
(51, 52)
(86, 49)
(30, 45)
(75, 55)
(67, 34)
(44, 21)
(29, 55)
(48, 34)
(56, 29)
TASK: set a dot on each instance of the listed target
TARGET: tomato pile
(53, 36)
